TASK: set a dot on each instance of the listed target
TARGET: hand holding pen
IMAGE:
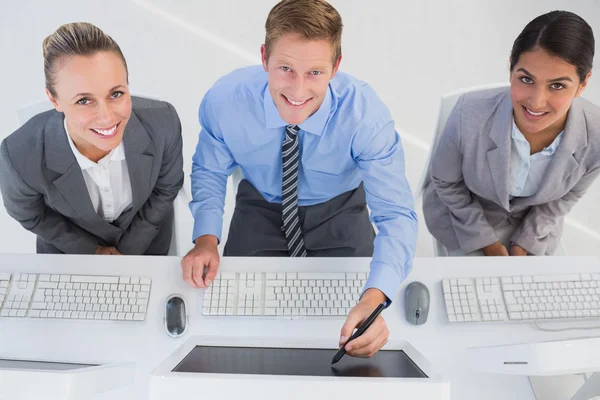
(365, 342)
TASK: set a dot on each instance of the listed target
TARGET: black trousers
(339, 227)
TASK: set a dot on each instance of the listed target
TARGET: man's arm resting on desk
(207, 206)
(208, 200)
(212, 165)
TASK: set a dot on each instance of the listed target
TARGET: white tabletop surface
(147, 344)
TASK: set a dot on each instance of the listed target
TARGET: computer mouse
(416, 303)
(176, 319)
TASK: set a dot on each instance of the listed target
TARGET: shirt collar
(548, 150)
(116, 154)
(313, 124)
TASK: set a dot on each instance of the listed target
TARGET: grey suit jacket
(469, 190)
(43, 187)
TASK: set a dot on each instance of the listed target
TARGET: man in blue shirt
(315, 146)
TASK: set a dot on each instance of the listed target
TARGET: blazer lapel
(563, 163)
(139, 154)
(499, 157)
(61, 159)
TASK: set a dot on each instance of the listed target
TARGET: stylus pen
(338, 356)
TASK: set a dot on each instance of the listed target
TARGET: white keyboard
(117, 298)
(522, 298)
(283, 294)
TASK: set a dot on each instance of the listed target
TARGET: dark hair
(561, 33)
(77, 38)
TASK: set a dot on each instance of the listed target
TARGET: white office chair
(446, 105)
(183, 224)
(24, 114)
(236, 178)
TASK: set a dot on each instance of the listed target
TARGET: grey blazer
(469, 189)
(43, 187)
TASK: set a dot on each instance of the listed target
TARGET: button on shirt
(527, 170)
(107, 181)
(349, 139)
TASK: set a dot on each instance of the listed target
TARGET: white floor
(411, 52)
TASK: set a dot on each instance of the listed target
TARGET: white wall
(411, 52)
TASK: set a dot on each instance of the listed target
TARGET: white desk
(148, 345)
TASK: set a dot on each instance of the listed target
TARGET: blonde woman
(99, 173)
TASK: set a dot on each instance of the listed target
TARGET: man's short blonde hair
(311, 19)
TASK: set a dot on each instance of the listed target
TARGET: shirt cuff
(386, 279)
(207, 223)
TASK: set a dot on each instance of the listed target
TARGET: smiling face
(299, 72)
(542, 88)
(92, 91)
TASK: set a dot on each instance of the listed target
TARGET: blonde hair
(311, 19)
(77, 38)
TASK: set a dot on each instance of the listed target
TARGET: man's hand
(495, 249)
(376, 336)
(105, 250)
(516, 250)
(205, 254)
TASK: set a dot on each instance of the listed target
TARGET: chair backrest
(183, 224)
(24, 114)
(236, 178)
(447, 104)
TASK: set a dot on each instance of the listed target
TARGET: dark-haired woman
(511, 163)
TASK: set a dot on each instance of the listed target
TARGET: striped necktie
(289, 192)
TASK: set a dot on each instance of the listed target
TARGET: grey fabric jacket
(43, 187)
(469, 189)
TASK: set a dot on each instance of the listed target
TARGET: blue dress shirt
(527, 170)
(349, 139)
